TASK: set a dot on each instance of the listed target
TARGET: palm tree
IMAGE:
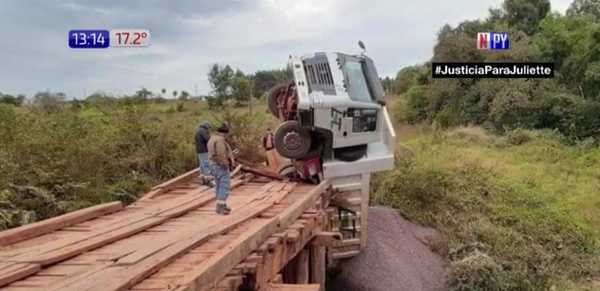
(174, 93)
(163, 91)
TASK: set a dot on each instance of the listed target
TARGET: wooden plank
(208, 273)
(211, 231)
(165, 186)
(318, 265)
(217, 265)
(328, 239)
(61, 250)
(293, 287)
(121, 277)
(17, 272)
(302, 267)
(35, 229)
(295, 210)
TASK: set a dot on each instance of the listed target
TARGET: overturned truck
(335, 126)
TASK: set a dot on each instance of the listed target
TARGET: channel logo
(493, 41)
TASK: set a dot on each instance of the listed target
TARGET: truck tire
(291, 140)
(350, 154)
(272, 98)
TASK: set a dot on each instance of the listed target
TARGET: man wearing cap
(221, 158)
(202, 137)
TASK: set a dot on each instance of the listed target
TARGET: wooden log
(318, 266)
(35, 229)
(302, 267)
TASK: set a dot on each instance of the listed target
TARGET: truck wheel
(291, 140)
(350, 154)
(272, 97)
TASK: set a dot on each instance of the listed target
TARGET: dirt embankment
(396, 258)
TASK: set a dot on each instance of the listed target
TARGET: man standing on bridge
(202, 137)
(221, 158)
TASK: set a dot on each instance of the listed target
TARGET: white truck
(336, 126)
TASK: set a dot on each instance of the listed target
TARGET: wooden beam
(15, 272)
(207, 274)
(302, 267)
(61, 250)
(318, 266)
(262, 172)
(293, 287)
(165, 186)
(122, 277)
(295, 210)
(35, 229)
(327, 239)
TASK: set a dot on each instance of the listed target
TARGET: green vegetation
(57, 157)
(508, 170)
(569, 103)
(229, 85)
(517, 212)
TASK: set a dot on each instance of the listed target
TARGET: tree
(242, 89)
(585, 8)
(184, 95)
(9, 99)
(143, 93)
(573, 44)
(221, 80)
(265, 80)
(163, 91)
(49, 101)
(525, 15)
(99, 97)
(174, 93)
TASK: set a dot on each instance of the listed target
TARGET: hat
(205, 124)
(224, 128)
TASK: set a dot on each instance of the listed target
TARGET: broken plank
(35, 229)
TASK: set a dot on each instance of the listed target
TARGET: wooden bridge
(172, 239)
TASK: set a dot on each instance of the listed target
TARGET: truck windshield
(356, 82)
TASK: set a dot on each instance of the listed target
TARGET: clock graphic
(89, 39)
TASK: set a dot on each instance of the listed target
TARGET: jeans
(222, 183)
(204, 164)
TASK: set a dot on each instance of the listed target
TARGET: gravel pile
(396, 258)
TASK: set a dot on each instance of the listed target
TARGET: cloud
(188, 36)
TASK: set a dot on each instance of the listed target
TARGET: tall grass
(54, 162)
(519, 212)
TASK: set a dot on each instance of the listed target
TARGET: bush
(62, 160)
(500, 210)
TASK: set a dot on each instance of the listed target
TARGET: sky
(188, 36)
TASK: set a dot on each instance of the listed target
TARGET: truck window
(356, 82)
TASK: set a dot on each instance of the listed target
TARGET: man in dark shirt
(202, 137)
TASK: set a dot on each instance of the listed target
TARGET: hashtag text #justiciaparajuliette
(487, 70)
